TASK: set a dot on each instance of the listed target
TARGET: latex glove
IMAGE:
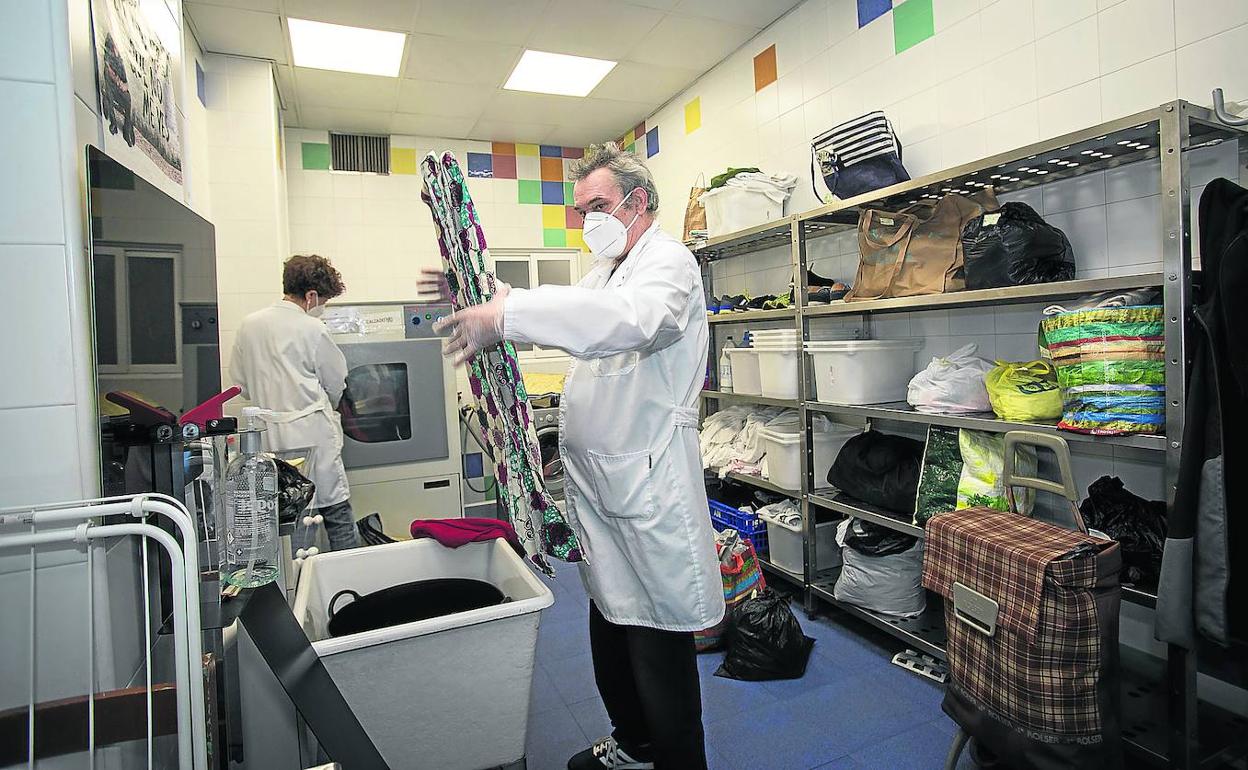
(474, 329)
(432, 286)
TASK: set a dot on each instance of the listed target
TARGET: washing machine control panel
(418, 320)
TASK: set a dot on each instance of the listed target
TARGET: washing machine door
(552, 463)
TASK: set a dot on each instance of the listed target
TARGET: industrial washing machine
(547, 421)
(400, 446)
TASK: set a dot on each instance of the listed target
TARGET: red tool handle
(212, 409)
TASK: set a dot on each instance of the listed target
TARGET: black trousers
(648, 680)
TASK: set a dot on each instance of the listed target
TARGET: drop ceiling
(460, 52)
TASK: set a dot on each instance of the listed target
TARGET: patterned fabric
(494, 375)
(1040, 672)
(1110, 367)
(741, 579)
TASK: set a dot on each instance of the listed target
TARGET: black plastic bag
(879, 469)
(765, 641)
(371, 532)
(294, 492)
(1137, 524)
(409, 603)
(871, 539)
(1013, 246)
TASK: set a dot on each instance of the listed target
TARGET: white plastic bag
(952, 384)
(892, 585)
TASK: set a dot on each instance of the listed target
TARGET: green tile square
(567, 193)
(491, 492)
(530, 191)
(552, 237)
(631, 149)
(316, 156)
(912, 23)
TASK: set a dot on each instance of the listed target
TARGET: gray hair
(630, 172)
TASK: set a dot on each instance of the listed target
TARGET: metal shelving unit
(761, 483)
(778, 571)
(741, 398)
(1176, 718)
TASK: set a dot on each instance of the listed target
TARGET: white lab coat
(285, 360)
(628, 431)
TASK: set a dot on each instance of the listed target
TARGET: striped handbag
(856, 157)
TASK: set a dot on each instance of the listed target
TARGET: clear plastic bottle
(725, 367)
(251, 556)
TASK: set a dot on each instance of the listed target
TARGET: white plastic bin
(777, 369)
(784, 456)
(448, 692)
(863, 371)
(784, 544)
(729, 209)
(745, 378)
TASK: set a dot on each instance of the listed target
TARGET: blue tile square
(652, 142)
(547, 151)
(480, 164)
(919, 748)
(870, 10)
(474, 465)
(552, 193)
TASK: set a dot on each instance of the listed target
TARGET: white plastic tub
(777, 369)
(784, 545)
(448, 692)
(784, 456)
(862, 371)
(745, 376)
(729, 209)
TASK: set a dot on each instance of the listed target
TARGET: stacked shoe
(822, 291)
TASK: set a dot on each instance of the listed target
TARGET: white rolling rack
(77, 522)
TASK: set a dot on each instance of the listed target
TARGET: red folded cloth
(453, 533)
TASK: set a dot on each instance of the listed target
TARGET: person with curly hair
(285, 361)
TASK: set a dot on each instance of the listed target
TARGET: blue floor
(852, 709)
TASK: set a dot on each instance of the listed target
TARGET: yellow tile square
(527, 149)
(575, 240)
(402, 160)
(630, 137)
(554, 216)
(693, 115)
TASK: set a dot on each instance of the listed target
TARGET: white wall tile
(346, 185)
(972, 321)
(767, 100)
(1007, 25)
(789, 93)
(1017, 347)
(816, 74)
(793, 129)
(877, 44)
(1016, 128)
(1070, 110)
(1086, 230)
(917, 118)
(1138, 87)
(37, 301)
(43, 466)
(960, 48)
(1215, 62)
(813, 21)
(963, 145)
(842, 20)
(923, 158)
(818, 115)
(1067, 58)
(1199, 19)
(1134, 231)
(25, 53)
(930, 323)
(961, 100)
(1078, 193)
(1208, 163)
(1134, 181)
(1010, 80)
(946, 13)
(31, 209)
(1134, 31)
(1052, 16)
(1018, 319)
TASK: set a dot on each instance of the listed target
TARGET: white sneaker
(606, 753)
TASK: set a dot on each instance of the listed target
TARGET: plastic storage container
(862, 371)
(786, 545)
(729, 209)
(777, 369)
(419, 688)
(784, 455)
(745, 375)
(748, 524)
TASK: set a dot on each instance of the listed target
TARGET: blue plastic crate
(749, 525)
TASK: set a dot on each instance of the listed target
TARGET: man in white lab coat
(636, 329)
(285, 361)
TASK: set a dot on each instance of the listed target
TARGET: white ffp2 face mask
(605, 235)
(316, 311)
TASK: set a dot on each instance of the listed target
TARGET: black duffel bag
(1013, 246)
(879, 469)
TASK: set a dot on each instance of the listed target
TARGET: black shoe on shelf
(813, 280)
(736, 303)
(761, 300)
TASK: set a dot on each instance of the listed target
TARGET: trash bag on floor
(1137, 524)
(1013, 246)
(294, 491)
(879, 469)
(765, 641)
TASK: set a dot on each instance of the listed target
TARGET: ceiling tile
(430, 125)
(323, 88)
(498, 21)
(286, 89)
(334, 119)
(630, 81)
(510, 131)
(234, 31)
(684, 41)
(448, 60)
(266, 6)
(563, 110)
(662, 5)
(424, 97)
(397, 15)
(595, 28)
(754, 13)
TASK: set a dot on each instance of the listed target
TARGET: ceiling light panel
(322, 46)
(556, 73)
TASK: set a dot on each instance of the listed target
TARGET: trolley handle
(1016, 439)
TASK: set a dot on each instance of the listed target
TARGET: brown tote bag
(883, 238)
(934, 263)
(695, 212)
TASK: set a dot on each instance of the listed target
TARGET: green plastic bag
(1025, 391)
(983, 463)
(938, 481)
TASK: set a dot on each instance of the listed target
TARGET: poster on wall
(138, 48)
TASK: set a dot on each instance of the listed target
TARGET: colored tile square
(552, 237)
(631, 148)
(403, 160)
(630, 137)
(553, 216)
(316, 156)
(870, 10)
(912, 23)
(480, 164)
(549, 151)
(502, 148)
(527, 149)
(568, 198)
(572, 219)
(693, 115)
(639, 129)
(652, 142)
(528, 167)
(574, 152)
(552, 169)
(530, 191)
(576, 239)
(765, 68)
(552, 193)
(504, 166)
